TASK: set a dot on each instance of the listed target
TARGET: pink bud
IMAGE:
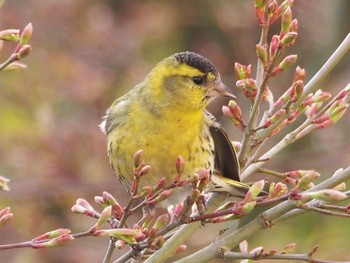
(260, 6)
(297, 90)
(261, 53)
(286, 21)
(307, 178)
(146, 191)
(53, 234)
(286, 63)
(56, 242)
(242, 72)
(274, 45)
(24, 51)
(288, 39)
(144, 170)
(10, 35)
(161, 197)
(160, 184)
(82, 202)
(180, 249)
(299, 74)
(4, 219)
(277, 189)
(100, 201)
(288, 248)
(26, 34)
(104, 216)
(180, 164)
(138, 157)
(294, 26)
(161, 222)
(254, 191)
(328, 195)
(273, 12)
(247, 208)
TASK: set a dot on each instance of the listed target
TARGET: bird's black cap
(197, 61)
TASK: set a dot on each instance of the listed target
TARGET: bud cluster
(22, 50)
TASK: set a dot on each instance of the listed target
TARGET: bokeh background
(87, 53)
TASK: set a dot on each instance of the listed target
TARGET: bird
(165, 115)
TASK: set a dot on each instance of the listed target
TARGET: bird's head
(186, 79)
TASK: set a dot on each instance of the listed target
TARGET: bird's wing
(226, 162)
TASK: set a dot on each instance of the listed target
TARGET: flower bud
(56, 242)
(277, 189)
(82, 202)
(288, 39)
(104, 216)
(146, 191)
(138, 157)
(247, 208)
(273, 12)
(261, 53)
(26, 34)
(147, 223)
(286, 63)
(288, 248)
(276, 117)
(254, 190)
(332, 115)
(242, 72)
(128, 235)
(340, 187)
(274, 44)
(161, 197)
(180, 164)
(24, 51)
(5, 217)
(180, 249)
(10, 35)
(294, 26)
(299, 74)
(297, 90)
(286, 21)
(161, 222)
(328, 195)
(306, 179)
(108, 198)
(53, 234)
(144, 170)
(160, 184)
(260, 6)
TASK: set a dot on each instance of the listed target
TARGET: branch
(253, 256)
(183, 234)
(265, 220)
(311, 86)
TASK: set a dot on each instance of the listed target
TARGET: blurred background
(87, 53)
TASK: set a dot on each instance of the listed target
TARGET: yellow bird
(165, 116)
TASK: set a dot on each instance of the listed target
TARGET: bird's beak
(220, 90)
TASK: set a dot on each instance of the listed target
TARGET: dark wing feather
(225, 156)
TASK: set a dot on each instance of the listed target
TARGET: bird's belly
(161, 149)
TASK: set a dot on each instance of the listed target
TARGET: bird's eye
(198, 80)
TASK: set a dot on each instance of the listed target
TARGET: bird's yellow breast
(162, 137)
